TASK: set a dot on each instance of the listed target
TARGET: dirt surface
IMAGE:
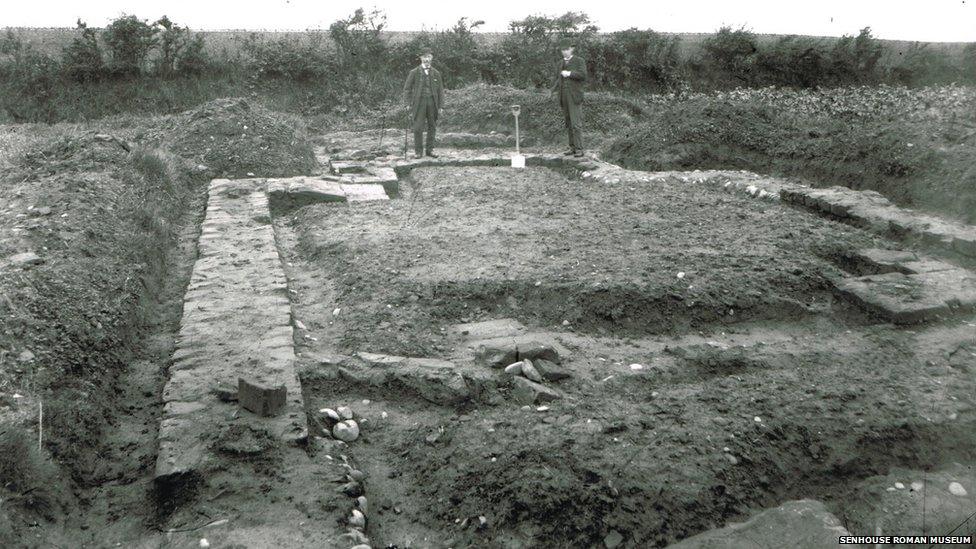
(468, 243)
(677, 416)
(708, 370)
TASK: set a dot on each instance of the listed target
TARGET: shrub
(529, 51)
(180, 51)
(192, 58)
(638, 60)
(29, 81)
(298, 59)
(129, 40)
(920, 66)
(854, 60)
(790, 61)
(456, 53)
(729, 55)
(358, 40)
(82, 58)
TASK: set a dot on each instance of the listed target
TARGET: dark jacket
(415, 84)
(574, 82)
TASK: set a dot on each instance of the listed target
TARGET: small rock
(25, 356)
(917, 486)
(356, 537)
(899, 486)
(345, 412)
(565, 323)
(636, 366)
(362, 504)
(357, 475)
(732, 459)
(757, 419)
(335, 312)
(514, 368)
(204, 542)
(526, 391)
(26, 259)
(957, 489)
(300, 325)
(346, 431)
(361, 546)
(529, 371)
(352, 489)
(331, 414)
(613, 539)
(357, 519)
(550, 370)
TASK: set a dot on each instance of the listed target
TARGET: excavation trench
(754, 384)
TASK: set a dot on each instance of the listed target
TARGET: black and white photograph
(560, 274)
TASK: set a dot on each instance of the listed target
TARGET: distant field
(52, 40)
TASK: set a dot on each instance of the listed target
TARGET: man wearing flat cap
(570, 76)
(424, 94)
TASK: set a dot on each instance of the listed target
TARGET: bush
(297, 59)
(82, 58)
(921, 66)
(358, 40)
(29, 81)
(180, 51)
(529, 52)
(637, 60)
(129, 40)
(791, 61)
(457, 54)
(192, 58)
(854, 60)
(968, 63)
(729, 55)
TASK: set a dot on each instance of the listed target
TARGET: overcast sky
(930, 20)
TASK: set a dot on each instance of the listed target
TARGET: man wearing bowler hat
(570, 76)
(424, 94)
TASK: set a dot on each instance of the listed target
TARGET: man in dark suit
(424, 94)
(570, 76)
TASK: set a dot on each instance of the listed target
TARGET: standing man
(570, 76)
(424, 94)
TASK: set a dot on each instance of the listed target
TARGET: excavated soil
(469, 243)
(752, 385)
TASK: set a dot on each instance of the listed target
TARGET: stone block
(261, 398)
(526, 391)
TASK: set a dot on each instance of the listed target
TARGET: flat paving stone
(489, 329)
(364, 193)
(910, 298)
(803, 523)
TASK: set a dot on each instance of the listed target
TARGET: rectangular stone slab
(364, 193)
(906, 299)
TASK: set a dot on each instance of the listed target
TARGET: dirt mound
(483, 108)
(234, 138)
(915, 162)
